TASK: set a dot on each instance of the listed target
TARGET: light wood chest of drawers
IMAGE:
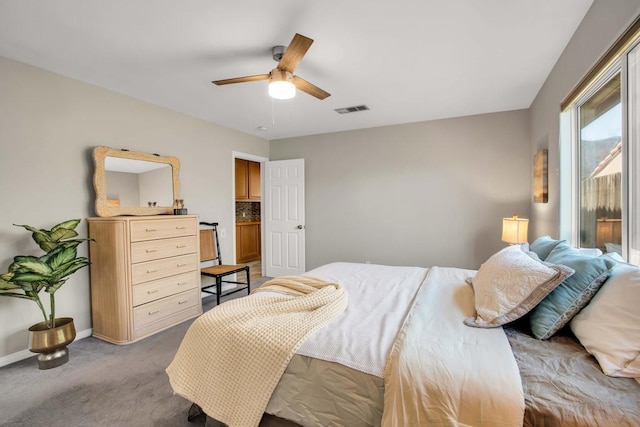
(145, 275)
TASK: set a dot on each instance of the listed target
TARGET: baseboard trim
(25, 354)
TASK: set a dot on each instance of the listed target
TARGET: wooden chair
(210, 251)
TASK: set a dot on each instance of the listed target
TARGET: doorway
(248, 209)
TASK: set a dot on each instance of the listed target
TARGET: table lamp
(514, 230)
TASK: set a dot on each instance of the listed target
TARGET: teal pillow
(575, 292)
(543, 246)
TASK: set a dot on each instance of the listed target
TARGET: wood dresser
(145, 275)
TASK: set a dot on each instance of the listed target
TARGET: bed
(415, 347)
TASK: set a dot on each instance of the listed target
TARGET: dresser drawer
(153, 270)
(162, 248)
(166, 322)
(158, 310)
(157, 289)
(160, 229)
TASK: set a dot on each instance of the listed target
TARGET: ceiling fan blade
(241, 79)
(295, 51)
(309, 88)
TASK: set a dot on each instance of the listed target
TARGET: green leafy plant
(29, 275)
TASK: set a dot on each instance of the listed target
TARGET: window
(605, 138)
(600, 168)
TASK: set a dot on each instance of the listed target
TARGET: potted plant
(29, 275)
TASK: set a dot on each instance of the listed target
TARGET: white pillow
(594, 252)
(609, 326)
(511, 283)
(614, 256)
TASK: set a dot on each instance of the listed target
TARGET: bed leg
(194, 412)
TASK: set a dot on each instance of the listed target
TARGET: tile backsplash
(247, 211)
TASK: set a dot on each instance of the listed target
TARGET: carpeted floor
(101, 385)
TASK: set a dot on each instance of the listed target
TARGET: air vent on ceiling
(351, 109)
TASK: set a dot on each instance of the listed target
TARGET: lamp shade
(514, 230)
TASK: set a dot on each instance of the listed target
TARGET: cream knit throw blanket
(233, 356)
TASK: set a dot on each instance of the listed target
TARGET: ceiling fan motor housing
(277, 52)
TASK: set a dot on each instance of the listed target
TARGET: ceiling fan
(282, 81)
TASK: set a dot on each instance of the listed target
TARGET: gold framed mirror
(134, 183)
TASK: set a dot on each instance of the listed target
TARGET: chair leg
(218, 289)
(246, 270)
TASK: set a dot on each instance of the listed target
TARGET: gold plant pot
(51, 343)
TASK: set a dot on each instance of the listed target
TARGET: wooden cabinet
(254, 181)
(145, 275)
(247, 180)
(248, 241)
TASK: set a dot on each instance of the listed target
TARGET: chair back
(208, 246)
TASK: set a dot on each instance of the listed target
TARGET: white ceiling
(407, 60)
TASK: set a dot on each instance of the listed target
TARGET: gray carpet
(101, 385)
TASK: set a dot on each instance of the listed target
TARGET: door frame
(254, 158)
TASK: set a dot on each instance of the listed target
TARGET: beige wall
(604, 22)
(429, 193)
(48, 127)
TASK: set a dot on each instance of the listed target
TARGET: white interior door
(284, 217)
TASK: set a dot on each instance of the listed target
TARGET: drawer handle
(149, 230)
(183, 301)
(151, 250)
(181, 265)
(180, 228)
(153, 291)
(182, 283)
(151, 271)
(151, 313)
(180, 246)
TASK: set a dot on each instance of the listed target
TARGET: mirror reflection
(134, 183)
(138, 183)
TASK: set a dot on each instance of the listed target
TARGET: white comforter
(442, 372)
(409, 320)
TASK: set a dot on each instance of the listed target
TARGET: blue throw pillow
(543, 246)
(575, 292)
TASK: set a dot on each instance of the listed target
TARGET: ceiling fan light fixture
(281, 85)
(282, 90)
